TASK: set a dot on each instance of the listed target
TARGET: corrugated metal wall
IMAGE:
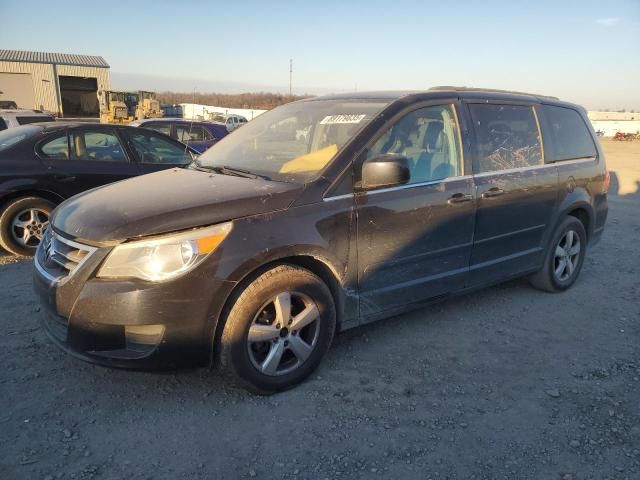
(44, 85)
(42, 79)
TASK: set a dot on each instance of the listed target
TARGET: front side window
(294, 142)
(56, 148)
(152, 148)
(429, 139)
(569, 137)
(97, 146)
(507, 137)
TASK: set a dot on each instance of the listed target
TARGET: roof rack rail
(490, 90)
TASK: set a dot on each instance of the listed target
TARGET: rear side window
(189, 133)
(56, 148)
(97, 146)
(27, 120)
(568, 136)
(507, 137)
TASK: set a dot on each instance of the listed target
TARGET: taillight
(606, 182)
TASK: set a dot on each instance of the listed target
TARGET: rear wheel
(278, 329)
(22, 224)
(564, 258)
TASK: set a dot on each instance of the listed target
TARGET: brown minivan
(318, 216)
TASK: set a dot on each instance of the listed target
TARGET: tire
(548, 278)
(17, 213)
(253, 339)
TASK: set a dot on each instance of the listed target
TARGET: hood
(167, 201)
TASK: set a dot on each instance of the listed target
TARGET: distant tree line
(622, 110)
(257, 100)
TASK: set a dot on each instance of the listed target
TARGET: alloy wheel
(566, 256)
(284, 333)
(28, 226)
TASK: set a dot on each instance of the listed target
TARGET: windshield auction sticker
(345, 118)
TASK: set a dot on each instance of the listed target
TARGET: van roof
(440, 92)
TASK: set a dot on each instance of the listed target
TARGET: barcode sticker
(345, 118)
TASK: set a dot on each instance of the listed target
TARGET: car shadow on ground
(166, 386)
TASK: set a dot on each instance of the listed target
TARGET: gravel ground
(505, 383)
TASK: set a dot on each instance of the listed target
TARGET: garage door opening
(79, 96)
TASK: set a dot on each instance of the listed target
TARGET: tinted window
(97, 146)
(152, 148)
(189, 133)
(27, 120)
(506, 136)
(3, 124)
(57, 148)
(164, 127)
(568, 136)
(429, 138)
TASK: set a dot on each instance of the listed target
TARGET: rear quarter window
(566, 134)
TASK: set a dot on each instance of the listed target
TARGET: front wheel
(278, 329)
(564, 257)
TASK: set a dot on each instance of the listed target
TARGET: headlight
(165, 257)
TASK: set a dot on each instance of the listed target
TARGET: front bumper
(107, 321)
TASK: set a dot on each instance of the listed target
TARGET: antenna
(290, 76)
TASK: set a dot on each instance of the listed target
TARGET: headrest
(433, 134)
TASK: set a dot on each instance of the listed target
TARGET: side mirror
(385, 171)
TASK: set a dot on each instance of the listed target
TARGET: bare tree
(256, 100)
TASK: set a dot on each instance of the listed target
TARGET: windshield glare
(294, 142)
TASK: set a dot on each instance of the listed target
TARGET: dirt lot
(504, 383)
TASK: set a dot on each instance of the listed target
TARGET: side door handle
(493, 192)
(64, 178)
(460, 198)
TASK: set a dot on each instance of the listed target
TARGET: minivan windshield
(294, 142)
(12, 136)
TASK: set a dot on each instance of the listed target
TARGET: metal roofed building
(63, 84)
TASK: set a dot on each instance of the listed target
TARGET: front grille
(58, 257)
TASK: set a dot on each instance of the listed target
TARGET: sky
(581, 51)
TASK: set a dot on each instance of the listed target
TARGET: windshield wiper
(227, 170)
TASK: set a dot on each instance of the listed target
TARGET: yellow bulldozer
(147, 106)
(113, 108)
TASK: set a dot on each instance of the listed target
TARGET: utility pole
(290, 76)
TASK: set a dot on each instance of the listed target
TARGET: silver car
(12, 117)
